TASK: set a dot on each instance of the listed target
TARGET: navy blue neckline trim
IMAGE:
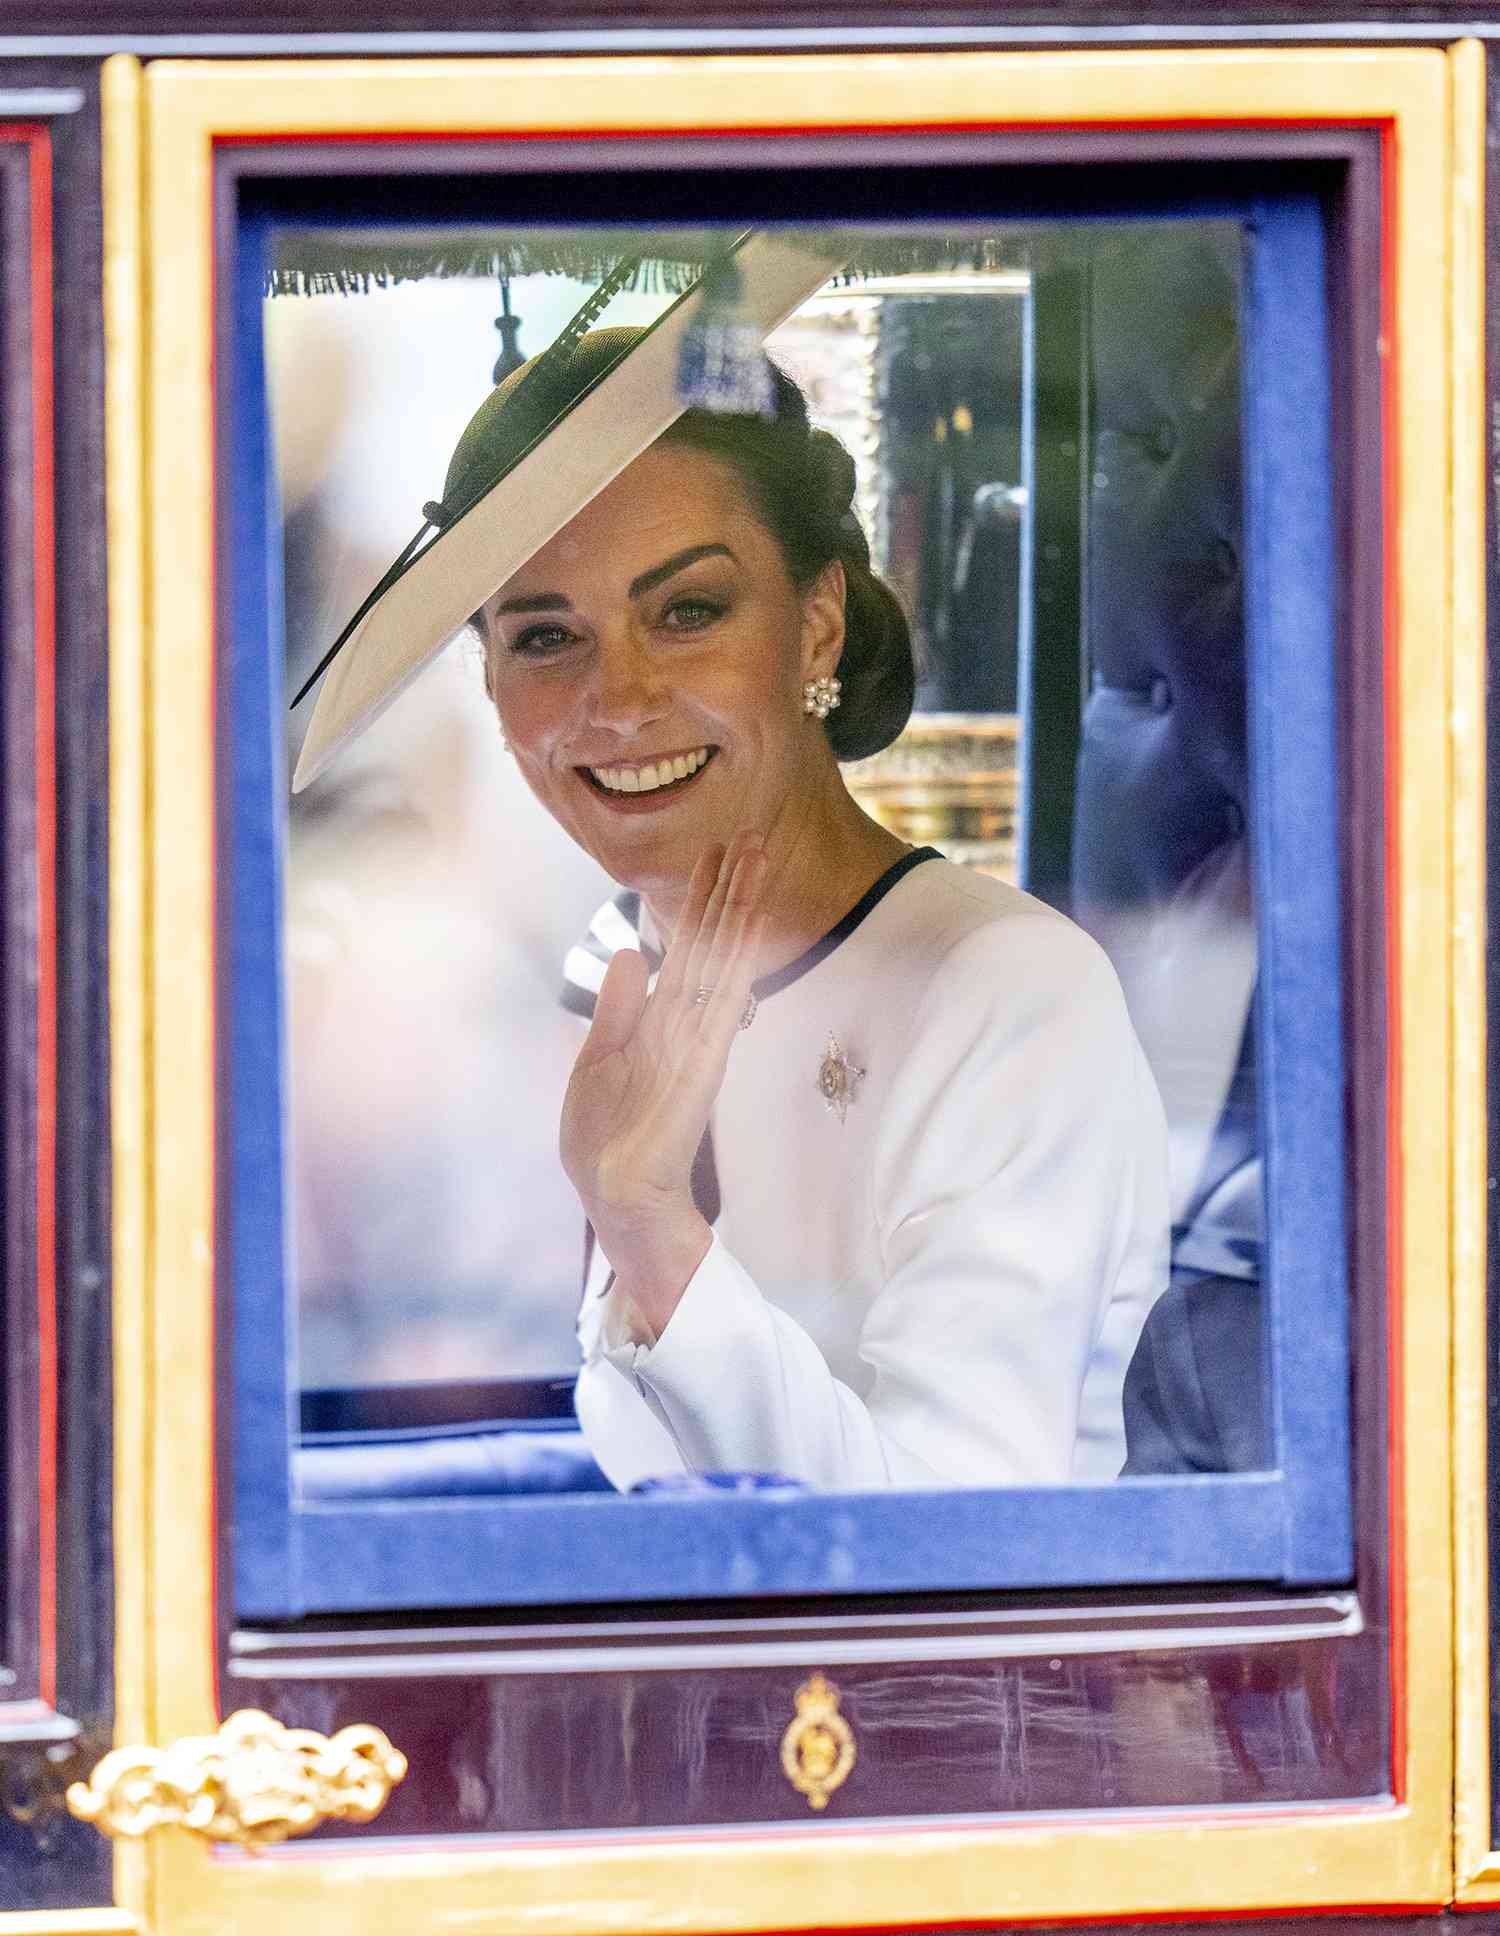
(841, 930)
(629, 905)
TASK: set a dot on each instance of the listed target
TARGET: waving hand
(647, 1076)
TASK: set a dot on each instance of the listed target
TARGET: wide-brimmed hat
(543, 444)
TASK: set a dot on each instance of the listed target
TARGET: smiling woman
(908, 1232)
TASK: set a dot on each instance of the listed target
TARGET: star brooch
(838, 1078)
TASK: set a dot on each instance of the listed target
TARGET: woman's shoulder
(961, 925)
(1015, 1030)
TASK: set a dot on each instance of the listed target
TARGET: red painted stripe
(36, 137)
(44, 566)
(1395, 1272)
(649, 132)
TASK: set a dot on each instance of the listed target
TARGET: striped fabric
(616, 925)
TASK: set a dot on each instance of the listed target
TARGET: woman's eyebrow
(677, 562)
(536, 602)
(658, 574)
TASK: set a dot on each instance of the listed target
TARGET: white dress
(942, 1287)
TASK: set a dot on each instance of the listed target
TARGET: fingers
(734, 889)
(672, 980)
(725, 960)
(705, 980)
(723, 966)
(682, 973)
(617, 1012)
(725, 1007)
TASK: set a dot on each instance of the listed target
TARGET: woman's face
(648, 665)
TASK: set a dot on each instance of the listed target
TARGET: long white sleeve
(1017, 1188)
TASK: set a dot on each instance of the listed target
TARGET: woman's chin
(652, 852)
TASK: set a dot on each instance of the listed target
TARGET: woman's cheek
(530, 717)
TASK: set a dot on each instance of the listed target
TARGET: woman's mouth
(670, 774)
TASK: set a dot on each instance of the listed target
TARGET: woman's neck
(823, 853)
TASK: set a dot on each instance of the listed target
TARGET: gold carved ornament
(817, 1749)
(255, 1782)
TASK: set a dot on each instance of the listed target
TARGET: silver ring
(701, 999)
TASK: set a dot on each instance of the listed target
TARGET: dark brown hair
(800, 483)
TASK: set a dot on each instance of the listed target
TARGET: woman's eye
(539, 641)
(688, 614)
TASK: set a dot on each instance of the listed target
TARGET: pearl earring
(820, 696)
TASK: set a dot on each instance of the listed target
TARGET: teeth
(647, 778)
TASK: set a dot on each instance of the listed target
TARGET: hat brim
(607, 428)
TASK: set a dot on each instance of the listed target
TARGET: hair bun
(800, 482)
(832, 471)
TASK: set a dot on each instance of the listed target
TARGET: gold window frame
(1476, 1854)
(161, 124)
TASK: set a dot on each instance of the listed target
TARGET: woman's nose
(628, 692)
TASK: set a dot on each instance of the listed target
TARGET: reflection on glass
(1047, 464)
(429, 900)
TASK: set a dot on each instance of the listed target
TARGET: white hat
(546, 441)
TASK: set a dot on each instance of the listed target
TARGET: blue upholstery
(462, 1465)
(1161, 861)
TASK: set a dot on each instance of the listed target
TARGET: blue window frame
(295, 1552)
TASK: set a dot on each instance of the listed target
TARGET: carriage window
(1022, 1186)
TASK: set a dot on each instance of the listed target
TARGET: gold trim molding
(70, 1922)
(162, 978)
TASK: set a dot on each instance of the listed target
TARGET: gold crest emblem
(817, 1750)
